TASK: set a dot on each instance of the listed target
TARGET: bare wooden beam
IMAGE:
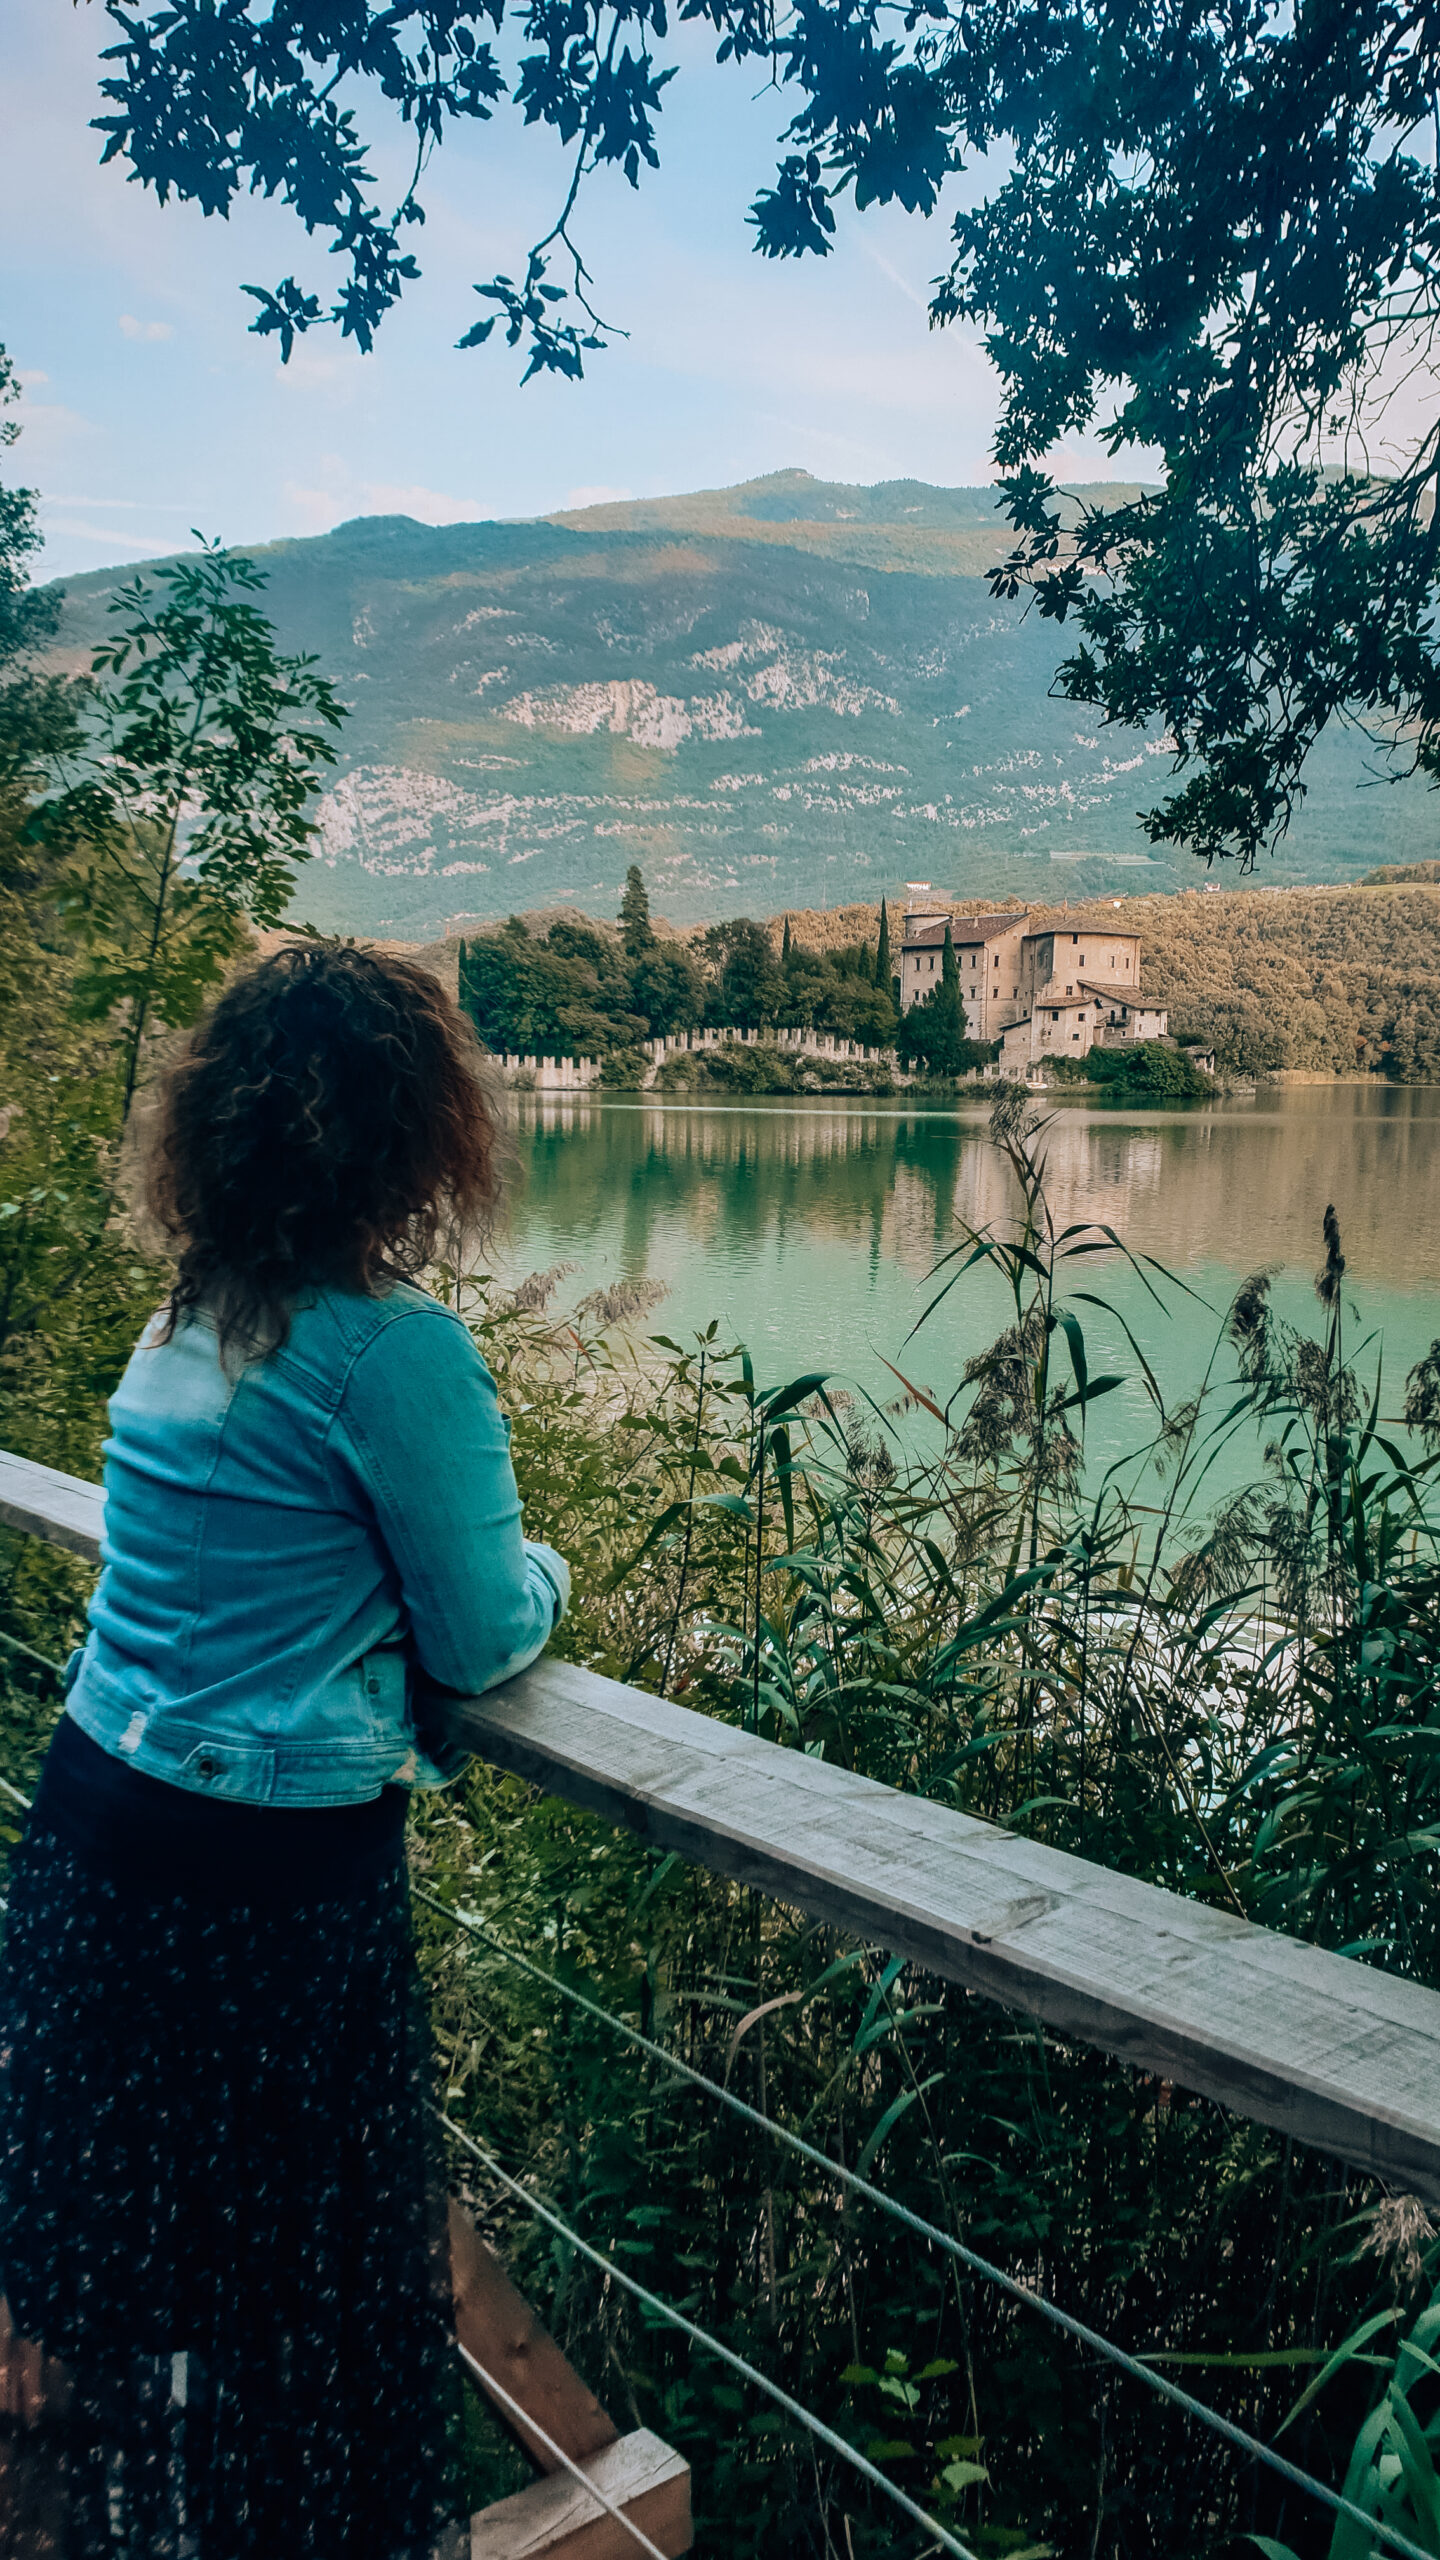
(505, 2338)
(555, 2519)
(1329, 2050)
(61, 1509)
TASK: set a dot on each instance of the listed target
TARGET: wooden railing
(1319, 2046)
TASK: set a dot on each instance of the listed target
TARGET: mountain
(789, 693)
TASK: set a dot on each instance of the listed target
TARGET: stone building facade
(1052, 991)
(988, 951)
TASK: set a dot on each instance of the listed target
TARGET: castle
(1054, 992)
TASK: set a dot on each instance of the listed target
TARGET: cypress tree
(882, 952)
(785, 945)
(635, 916)
(934, 1030)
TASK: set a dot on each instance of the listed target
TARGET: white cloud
(150, 330)
(133, 506)
(146, 546)
(599, 496)
(28, 380)
(319, 509)
(42, 418)
(432, 506)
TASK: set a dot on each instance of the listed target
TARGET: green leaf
(1342, 2355)
(886, 2126)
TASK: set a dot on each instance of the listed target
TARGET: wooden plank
(1328, 2050)
(59, 1508)
(555, 2519)
(503, 2334)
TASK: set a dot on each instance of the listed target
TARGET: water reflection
(1234, 1185)
(809, 1229)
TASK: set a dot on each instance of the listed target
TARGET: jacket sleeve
(421, 1425)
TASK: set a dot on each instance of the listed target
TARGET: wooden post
(554, 2519)
(502, 2333)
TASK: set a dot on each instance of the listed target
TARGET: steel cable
(750, 2373)
(532, 2426)
(1199, 2410)
(1066, 2321)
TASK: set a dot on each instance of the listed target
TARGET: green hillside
(1338, 981)
(790, 693)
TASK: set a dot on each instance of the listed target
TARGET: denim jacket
(298, 1548)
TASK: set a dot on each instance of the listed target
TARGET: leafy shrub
(1151, 1071)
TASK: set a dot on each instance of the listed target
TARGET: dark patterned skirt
(221, 2206)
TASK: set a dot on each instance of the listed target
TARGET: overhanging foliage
(1213, 239)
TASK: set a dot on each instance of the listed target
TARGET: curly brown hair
(328, 1122)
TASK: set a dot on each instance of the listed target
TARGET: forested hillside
(790, 693)
(1334, 979)
(1302, 978)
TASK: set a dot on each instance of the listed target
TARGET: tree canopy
(147, 810)
(578, 990)
(932, 1033)
(1212, 237)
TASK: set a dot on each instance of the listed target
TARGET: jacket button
(205, 1768)
(372, 1688)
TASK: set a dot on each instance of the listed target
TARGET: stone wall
(575, 1075)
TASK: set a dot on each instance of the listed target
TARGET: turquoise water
(811, 1229)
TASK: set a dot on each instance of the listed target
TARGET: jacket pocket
(229, 1769)
(384, 1676)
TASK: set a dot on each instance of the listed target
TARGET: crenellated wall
(575, 1075)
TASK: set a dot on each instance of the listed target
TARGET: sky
(149, 410)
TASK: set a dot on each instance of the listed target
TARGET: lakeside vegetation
(572, 988)
(1150, 1071)
(1335, 981)
(1325, 981)
(1238, 1703)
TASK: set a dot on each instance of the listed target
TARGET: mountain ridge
(787, 693)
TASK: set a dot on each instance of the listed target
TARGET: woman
(219, 2201)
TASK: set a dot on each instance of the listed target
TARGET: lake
(810, 1228)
